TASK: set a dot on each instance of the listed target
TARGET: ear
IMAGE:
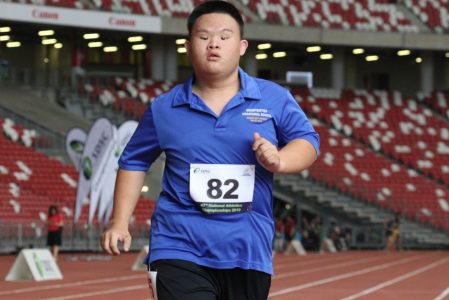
(187, 46)
(243, 47)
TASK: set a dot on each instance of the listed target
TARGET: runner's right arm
(128, 186)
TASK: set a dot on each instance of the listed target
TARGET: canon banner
(71, 17)
(96, 148)
(75, 140)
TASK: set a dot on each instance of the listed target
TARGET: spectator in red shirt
(279, 236)
(290, 231)
(55, 225)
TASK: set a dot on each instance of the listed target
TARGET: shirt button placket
(220, 124)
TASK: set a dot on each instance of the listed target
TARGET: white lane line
(340, 277)
(442, 295)
(335, 266)
(77, 283)
(319, 260)
(109, 291)
(397, 279)
(302, 263)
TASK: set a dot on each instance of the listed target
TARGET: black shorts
(184, 280)
(54, 238)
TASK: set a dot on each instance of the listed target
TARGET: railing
(45, 78)
(16, 235)
(367, 237)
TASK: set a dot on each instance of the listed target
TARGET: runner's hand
(266, 153)
(112, 236)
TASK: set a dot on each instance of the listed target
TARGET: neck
(217, 93)
(217, 84)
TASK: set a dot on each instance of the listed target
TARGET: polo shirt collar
(248, 89)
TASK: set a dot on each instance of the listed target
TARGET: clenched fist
(266, 153)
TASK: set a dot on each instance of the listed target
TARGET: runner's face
(215, 46)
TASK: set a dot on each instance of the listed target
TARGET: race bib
(222, 189)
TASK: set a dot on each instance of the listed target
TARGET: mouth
(213, 56)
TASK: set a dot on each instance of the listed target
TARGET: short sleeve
(143, 148)
(294, 124)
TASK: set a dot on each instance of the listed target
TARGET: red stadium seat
(382, 121)
(366, 175)
(372, 15)
(433, 13)
(388, 122)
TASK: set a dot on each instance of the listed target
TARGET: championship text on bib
(222, 189)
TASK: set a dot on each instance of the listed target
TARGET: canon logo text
(122, 22)
(38, 14)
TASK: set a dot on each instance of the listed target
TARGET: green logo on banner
(77, 146)
(87, 167)
(118, 150)
(38, 264)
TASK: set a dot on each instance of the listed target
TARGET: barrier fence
(16, 235)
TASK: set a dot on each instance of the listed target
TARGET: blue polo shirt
(180, 124)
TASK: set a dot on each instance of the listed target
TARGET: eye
(204, 38)
(225, 37)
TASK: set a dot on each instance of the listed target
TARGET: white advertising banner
(97, 145)
(139, 263)
(107, 194)
(75, 141)
(98, 182)
(124, 133)
(79, 18)
(34, 264)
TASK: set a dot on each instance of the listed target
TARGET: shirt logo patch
(200, 171)
(256, 115)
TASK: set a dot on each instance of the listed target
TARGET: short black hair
(52, 210)
(215, 6)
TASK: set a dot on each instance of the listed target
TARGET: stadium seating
(143, 211)
(387, 122)
(126, 95)
(438, 101)
(366, 175)
(18, 133)
(166, 8)
(371, 15)
(434, 14)
(34, 181)
(366, 15)
(30, 181)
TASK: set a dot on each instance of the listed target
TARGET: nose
(213, 44)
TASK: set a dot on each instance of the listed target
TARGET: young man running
(224, 134)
